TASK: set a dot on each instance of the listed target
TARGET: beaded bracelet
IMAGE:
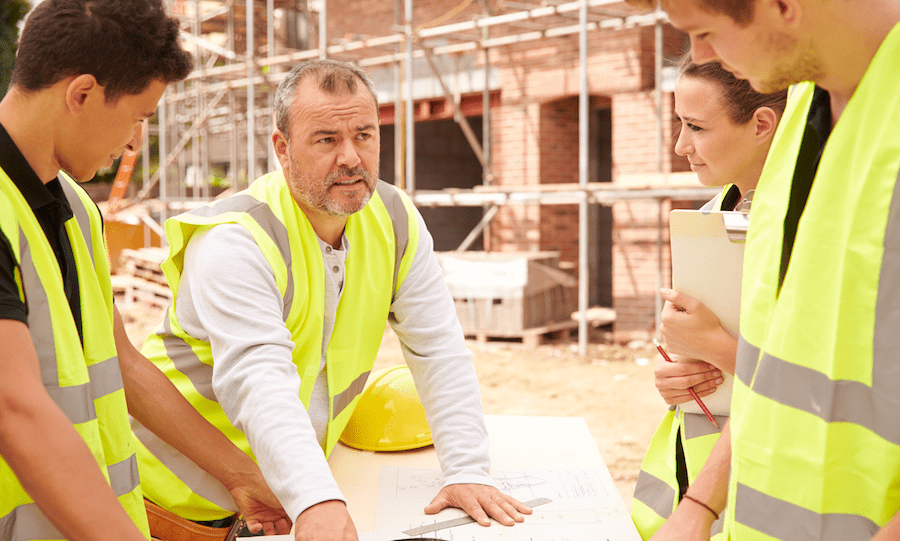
(708, 508)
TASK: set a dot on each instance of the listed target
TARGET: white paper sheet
(585, 505)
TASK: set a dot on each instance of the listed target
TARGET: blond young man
(812, 451)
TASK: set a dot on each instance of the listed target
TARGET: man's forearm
(57, 470)
(155, 402)
(47, 455)
(424, 318)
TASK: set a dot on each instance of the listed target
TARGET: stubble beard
(807, 67)
(316, 195)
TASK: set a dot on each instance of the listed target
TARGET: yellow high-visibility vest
(86, 383)
(815, 428)
(384, 236)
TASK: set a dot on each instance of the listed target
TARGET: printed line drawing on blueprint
(554, 484)
(584, 506)
(415, 483)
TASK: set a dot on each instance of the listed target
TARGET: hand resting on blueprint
(326, 521)
(691, 330)
(481, 502)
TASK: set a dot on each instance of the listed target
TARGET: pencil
(690, 389)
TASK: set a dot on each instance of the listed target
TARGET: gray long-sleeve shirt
(240, 314)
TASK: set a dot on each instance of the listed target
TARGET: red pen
(690, 390)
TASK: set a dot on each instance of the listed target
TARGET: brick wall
(636, 268)
(534, 138)
(559, 137)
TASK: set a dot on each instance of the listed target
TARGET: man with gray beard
(282, 293)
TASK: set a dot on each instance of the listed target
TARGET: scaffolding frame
(218, 100)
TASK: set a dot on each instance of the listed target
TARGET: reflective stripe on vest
(383, 239)
(815, 429)
(25, 523)
(85, 381)
(656, 490)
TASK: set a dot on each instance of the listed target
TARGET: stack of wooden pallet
(140, 279)
(520, 296)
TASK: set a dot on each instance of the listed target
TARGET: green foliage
(219, 180)
(11, 12)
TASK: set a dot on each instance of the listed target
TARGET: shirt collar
(13, 162)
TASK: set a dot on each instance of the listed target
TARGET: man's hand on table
(326, 521)
(481, 502)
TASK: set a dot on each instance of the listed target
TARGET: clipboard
(707, 261)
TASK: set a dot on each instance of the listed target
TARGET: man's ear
(80, 89)
(766, 123)
(282, 148)
(789, 11)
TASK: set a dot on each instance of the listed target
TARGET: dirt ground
(611, 388)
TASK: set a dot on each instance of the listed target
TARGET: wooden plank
(528, 337)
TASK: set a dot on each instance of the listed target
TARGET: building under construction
(515, 125)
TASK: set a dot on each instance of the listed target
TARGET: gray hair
(333, 77)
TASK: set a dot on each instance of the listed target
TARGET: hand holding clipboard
(707, 257)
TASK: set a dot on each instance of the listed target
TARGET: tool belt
(167, 526)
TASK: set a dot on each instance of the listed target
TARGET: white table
(517, 443)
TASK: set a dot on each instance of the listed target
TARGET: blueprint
(584, 505)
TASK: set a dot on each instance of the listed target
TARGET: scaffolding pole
(163, 164)
(209, 84)
(399, 108)
(251, 88)
(487, 174)
(410, 131)
(270, 52)
(583, 128)
(596, 193)
(657, 92)
(323, 29)
(458, 116)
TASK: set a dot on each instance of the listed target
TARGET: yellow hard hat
(389, 415)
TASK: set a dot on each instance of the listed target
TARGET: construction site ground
(611, 387)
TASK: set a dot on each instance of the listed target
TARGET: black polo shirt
(50, 206)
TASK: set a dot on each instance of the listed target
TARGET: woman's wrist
(725, 352)
(703, 505)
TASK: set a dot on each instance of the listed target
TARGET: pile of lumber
(140, 279)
